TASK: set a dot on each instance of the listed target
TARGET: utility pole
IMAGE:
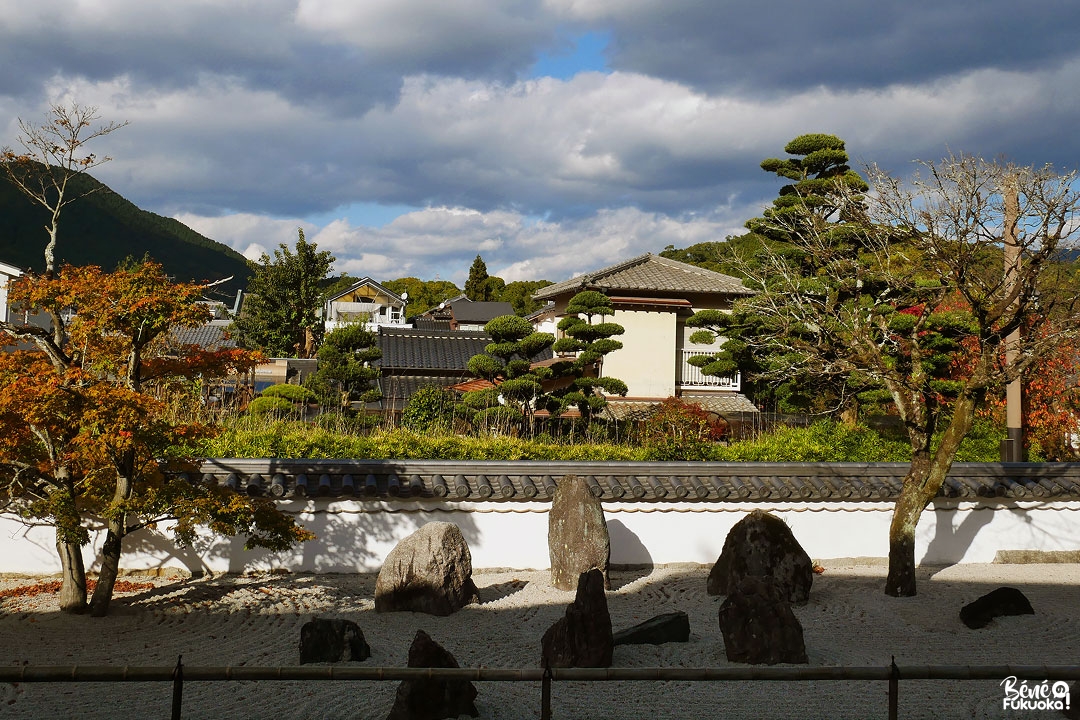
(1012, 447)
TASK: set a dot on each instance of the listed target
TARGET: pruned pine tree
(589, 339)
(346, 365)
(904, 294)
(507, 363)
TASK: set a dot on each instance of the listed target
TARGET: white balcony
(691, 377)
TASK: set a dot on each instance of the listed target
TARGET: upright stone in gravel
(578, 539)
(762, 544)
(432, 698)
(430, 572)
(332, 640)
(759, 626)
(996, 603)
(581, 638)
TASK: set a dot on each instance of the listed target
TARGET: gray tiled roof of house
(211, 336)
(648, 273)
(645, 482)
(421, 322)
(480, 312)
(416, 349)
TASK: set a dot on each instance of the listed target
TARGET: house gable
(365, 301)
(652, 297)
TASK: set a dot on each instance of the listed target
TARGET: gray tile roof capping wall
(473, 481)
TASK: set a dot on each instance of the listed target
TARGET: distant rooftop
(650, 273)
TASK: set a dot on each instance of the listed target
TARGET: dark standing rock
(1003, 601)
(762, 544)
(430, 572)
(332, 640)
(669, 627)
(582, 638)
(759, 626)
(432, 698)
(578, 539)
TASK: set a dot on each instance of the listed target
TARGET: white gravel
(255, 620)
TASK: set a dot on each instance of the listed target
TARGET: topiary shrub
(271, 406)
(292, 393)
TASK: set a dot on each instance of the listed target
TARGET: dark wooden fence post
(894, 690)
(178, 687)
(545, 694)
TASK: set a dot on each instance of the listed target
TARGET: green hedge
(823, 441)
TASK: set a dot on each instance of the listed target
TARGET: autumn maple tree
(89, 434)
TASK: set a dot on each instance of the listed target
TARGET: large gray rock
(430, 571)
(762, 544)
(332, 640)
(578, 539)
(581, 638)
(432, 698)
(759, 626)
(669, 627)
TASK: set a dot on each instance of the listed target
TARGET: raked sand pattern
(255, 620)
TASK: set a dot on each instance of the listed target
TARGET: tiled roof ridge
(597, 276)
(422, 332)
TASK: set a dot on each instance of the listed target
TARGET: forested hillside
(103, 229)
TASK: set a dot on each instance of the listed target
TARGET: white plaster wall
(356, 536)
(646, 362)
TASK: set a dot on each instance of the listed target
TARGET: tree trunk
(73, 581)
(50, 248)
(921, 486)
(110, 568)
(111, 550)
(915, 495)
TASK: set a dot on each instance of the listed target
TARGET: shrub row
(823, 441)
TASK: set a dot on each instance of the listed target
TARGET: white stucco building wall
(646, 362)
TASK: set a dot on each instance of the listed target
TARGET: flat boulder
(332, 640)
(578, 539)
(430, 571)
(582, 637)
(669, 627)
(432, 698)
(996, 603)
(759, 626)
(762, 544)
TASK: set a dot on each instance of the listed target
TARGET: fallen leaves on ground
(53, 586)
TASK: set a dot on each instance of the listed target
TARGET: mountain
(104, 229)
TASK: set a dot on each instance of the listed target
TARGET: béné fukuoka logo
(1020, 695)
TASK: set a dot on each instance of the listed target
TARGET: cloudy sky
(550, 136)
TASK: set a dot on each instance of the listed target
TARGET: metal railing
(691, 376)
(179, 674)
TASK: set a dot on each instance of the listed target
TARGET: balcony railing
(692, 377)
